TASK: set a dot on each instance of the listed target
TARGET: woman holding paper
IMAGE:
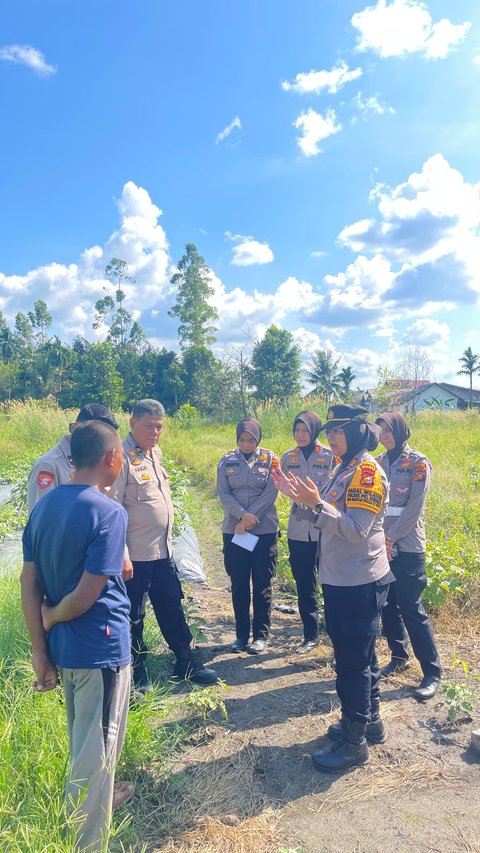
(250, 532)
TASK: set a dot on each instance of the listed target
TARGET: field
(205, 785)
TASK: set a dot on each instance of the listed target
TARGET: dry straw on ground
(221, 807)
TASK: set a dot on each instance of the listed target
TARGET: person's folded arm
(76, 603)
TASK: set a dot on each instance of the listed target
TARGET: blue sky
(323, 156)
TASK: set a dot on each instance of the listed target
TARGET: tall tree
(110, 310)
(414, 370)
(345, 378)
(470, 362)
(41, 319)
(192, 306)
(322, 373)
(275, 370)
(23, 330)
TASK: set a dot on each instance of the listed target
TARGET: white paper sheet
(245, 540)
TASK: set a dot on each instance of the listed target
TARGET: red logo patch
(45, 479)
(367, 477)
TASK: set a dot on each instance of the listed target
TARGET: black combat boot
(375, 732)
(189, 668)
(350, 752)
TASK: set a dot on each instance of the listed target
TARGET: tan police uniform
(53, 468)
(246, 486)
(352, 546)
(317, 467)
(404, 615)
(303, 536)
(143, 487)
(409, 477)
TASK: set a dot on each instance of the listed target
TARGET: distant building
(440, 395)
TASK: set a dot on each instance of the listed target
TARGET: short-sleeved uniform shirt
(409, 477)
(76, 528)
(317, 467)
(53, 468)
(143, 487)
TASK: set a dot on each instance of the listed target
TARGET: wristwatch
(318, 507)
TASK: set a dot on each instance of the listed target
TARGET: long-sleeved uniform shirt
(352, 542)
(409, 477)
(144, 490)
(245, 486)
(317, 467)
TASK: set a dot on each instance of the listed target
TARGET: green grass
(34, 748)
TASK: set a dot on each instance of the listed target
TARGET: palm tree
(323, 375)
(470, 364)
(346, 377)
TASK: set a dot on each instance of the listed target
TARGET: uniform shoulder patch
(420, 471)
(366, 488)
(45, 479)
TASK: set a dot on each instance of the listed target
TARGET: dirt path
(421, 791)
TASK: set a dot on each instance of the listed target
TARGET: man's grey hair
(148, 407)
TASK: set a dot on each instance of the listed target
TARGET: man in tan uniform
(55, 467)
(144, 490)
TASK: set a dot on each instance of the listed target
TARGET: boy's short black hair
(90, 441)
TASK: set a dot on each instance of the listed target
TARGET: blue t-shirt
(74, 529)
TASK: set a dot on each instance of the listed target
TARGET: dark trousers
(258, 565)
(352, 617)
(157, 580)
(304, 570)
(404, 615)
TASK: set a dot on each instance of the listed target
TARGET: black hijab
(313, 424)
(252, 426)
(360, 435)
(400, 432)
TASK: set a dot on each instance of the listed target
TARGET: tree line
(126, 366)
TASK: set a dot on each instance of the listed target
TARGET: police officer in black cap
(354, 573)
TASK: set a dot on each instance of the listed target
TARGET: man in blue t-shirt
(76, 610)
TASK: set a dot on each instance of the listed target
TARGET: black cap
(342, 414)
(97, 412)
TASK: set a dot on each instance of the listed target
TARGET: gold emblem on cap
(329, 414)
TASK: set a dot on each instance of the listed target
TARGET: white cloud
(315, 127)
(71, 290)
(235, 123)
(248, 251)
(476, 59)
(405, 26)
(318, 254)
(427, 333)
(428, 230)
(371, 104)
(24, 54)
(315, 82)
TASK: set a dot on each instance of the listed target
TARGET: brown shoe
(122, 793)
